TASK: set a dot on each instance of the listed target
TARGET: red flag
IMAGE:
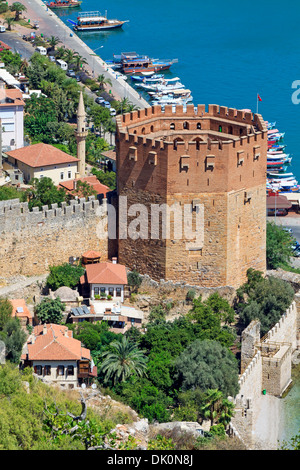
(259, 98)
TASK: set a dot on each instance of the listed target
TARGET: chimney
(45, 329)
(114, 260)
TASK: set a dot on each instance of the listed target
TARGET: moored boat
(94, 21)
(131, 62)
(64, 4)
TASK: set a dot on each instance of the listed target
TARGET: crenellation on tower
(216, 157)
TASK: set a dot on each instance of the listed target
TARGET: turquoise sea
(228, 52)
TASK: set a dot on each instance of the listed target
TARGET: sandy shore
(51, 25)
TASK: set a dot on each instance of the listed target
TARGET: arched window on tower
(186, 125)
(172, 126)
(198, 125)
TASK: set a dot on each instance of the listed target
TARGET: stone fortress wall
(265, 373)
(31, 241)
(214, 158)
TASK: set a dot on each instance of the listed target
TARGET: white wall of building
(12, 127)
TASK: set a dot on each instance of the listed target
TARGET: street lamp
(100, 47)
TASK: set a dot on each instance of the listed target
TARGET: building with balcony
(58, 358)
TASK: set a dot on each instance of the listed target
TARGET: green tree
(14, 338)
(50, 311)
(103, 81)
(6, 310)
(64, 275)
(43, 192)
(134, 280)
(108, 178)
(263, 299)
(9, 20)
(18, 8)
(208, 365)
(53, 41)
(209, 316)
(210, 409)
(279, 246)
(122, 360)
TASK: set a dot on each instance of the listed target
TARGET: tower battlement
(215, 156)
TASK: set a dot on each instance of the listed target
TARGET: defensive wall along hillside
(31, 241)
(265, 375)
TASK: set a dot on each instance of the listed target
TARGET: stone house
(57, 357)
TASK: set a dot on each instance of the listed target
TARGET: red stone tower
(212, 161)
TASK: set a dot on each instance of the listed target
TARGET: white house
(58, 358)
(105, 280)
(43, 160)
(11, 115)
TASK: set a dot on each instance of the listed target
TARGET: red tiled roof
(105, 273)
(23, 309)
(91, 180)
(55, 345)
(15, 95)
(91, 254)
(39, 155)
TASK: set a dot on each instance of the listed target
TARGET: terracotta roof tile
(91, 180)
(23, 309)
(106, 273)
(40, 155)
(54, 345)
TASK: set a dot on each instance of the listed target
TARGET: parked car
(106, 104)
(51, 58)
(279, 212)
(296, 252)
(100, 100)
(112, 111)
(71, 74)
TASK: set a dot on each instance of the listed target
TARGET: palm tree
(226, 412)
(60, 52)
(69, 56)
(103, 81)
(9, 21)
(122, 360)
(211, 407)
(79, 61)
(18, 8)
(53, 41)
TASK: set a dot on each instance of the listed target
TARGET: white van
(41, 50)
(2, 29)
(63, 65)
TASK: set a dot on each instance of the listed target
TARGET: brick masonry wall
(30, 242)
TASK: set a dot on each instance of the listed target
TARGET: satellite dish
(94, 386)
(83, 386)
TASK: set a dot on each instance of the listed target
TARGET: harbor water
(228, 52)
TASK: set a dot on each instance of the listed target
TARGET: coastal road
(51, 25)
(15, 41)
